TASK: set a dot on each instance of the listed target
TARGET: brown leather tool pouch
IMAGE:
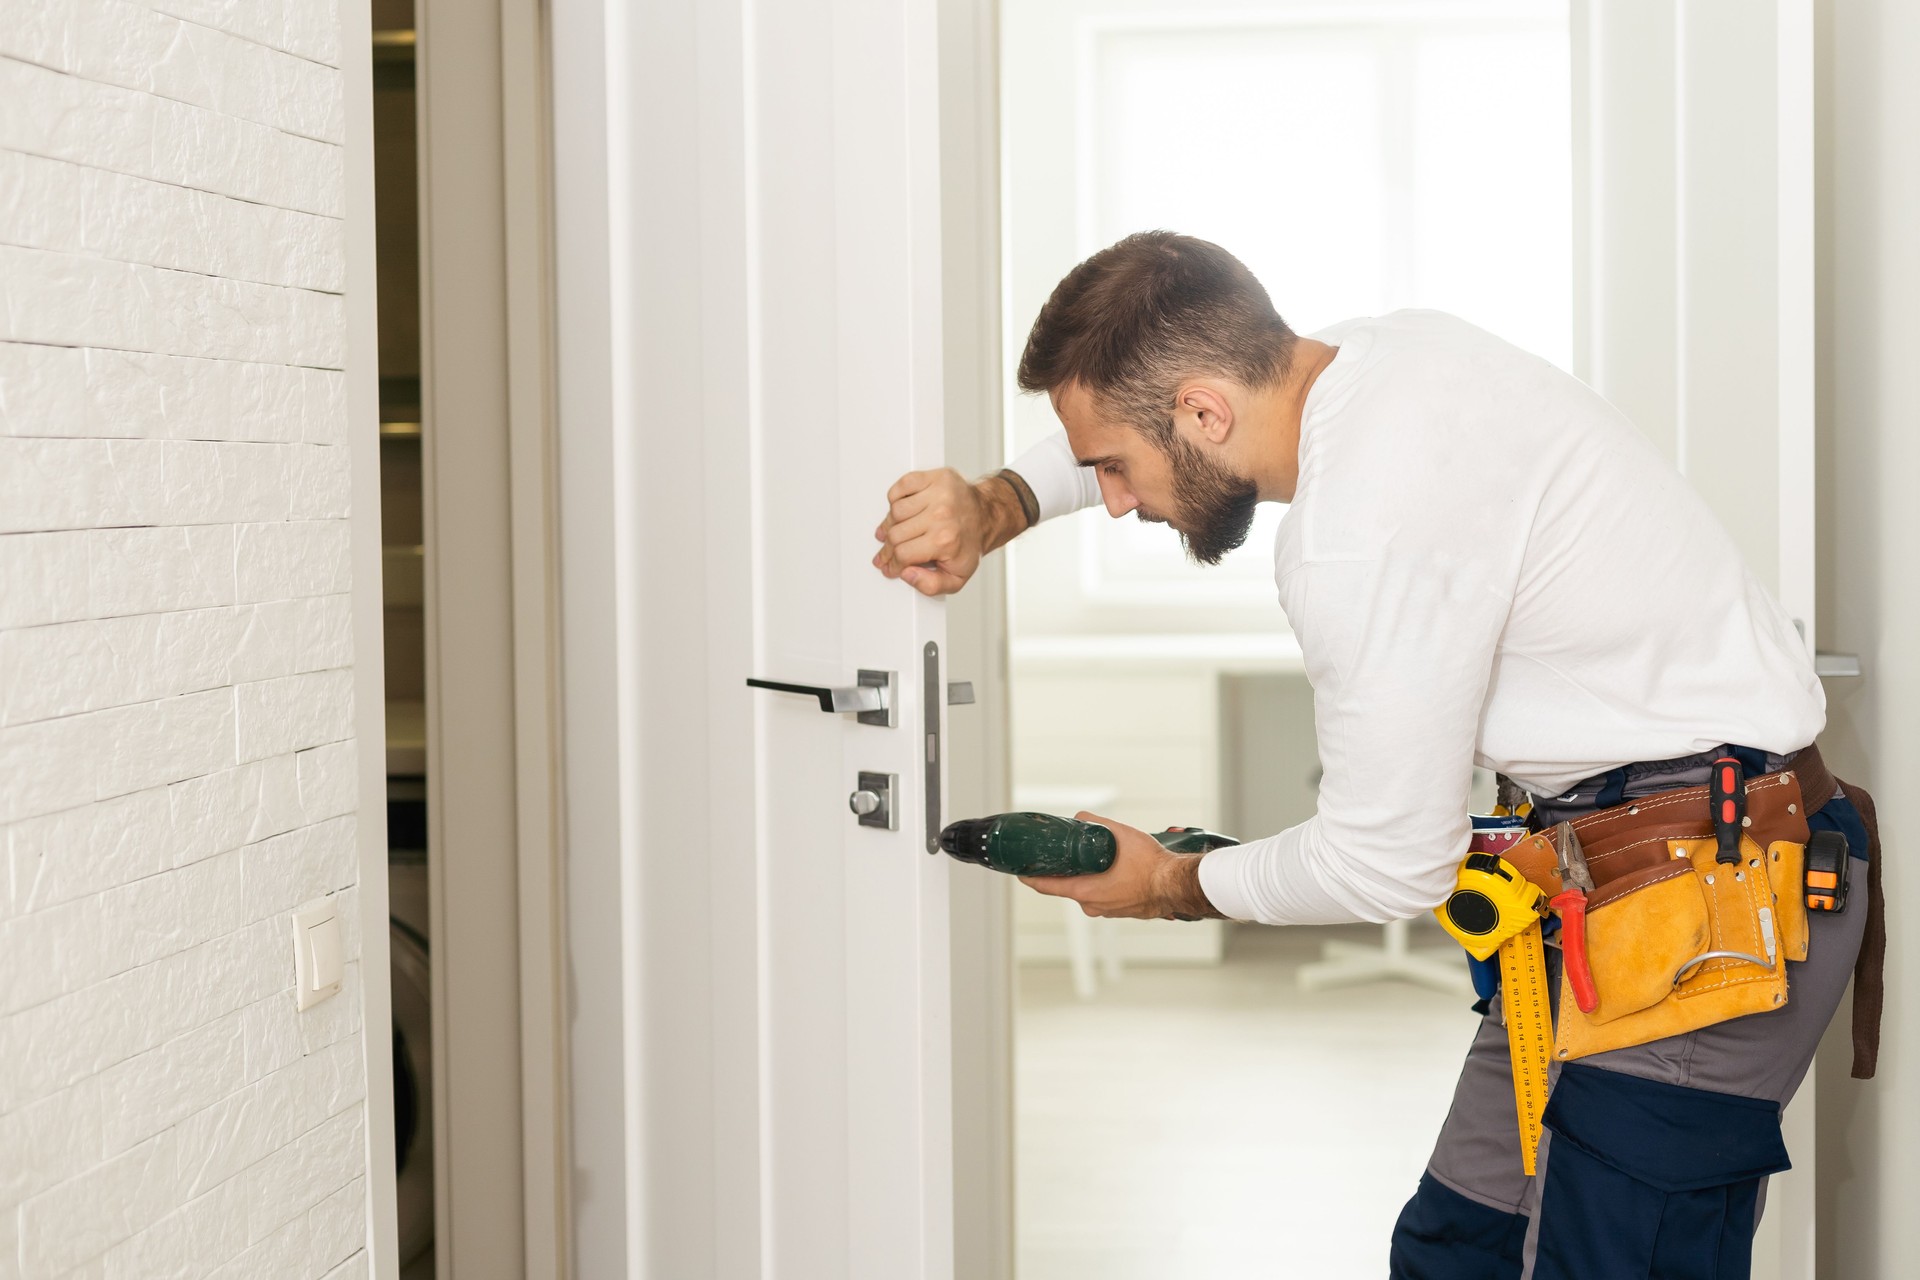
(1662, 901)
(1640, 929)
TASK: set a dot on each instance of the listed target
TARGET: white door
(748, 301)
(843, 175)
(1694, 309)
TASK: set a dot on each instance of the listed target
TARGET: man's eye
(1111, 468)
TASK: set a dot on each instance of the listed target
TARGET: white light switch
(317, 964)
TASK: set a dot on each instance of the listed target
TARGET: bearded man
(1483, 563)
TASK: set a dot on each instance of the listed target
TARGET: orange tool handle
(1572, 906)
(1729, 795)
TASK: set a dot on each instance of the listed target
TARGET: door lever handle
(870, 701)
(857, 698)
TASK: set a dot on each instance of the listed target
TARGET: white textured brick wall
(177, 764)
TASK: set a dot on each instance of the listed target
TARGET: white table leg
(1108, 931)
(1079, 948)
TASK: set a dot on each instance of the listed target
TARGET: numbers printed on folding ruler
(1523, 1001)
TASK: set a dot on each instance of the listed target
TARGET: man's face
(1209, 505)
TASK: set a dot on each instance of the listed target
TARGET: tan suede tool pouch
(1663, 900)
(1641, 939)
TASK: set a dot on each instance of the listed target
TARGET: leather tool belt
(1676, 940)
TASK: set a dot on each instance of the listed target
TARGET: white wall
(1869, 406)
(177, 754)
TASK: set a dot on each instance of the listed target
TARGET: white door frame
(979, 779)
(524, 1016)
(369, 646)
(600, 1009)
(1674, 308)
(526, 139)
(491, 611)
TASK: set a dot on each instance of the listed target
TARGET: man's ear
(1207, 409)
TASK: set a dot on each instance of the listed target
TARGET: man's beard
(1214, 508)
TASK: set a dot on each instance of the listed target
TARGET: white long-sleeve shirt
(1484, 562)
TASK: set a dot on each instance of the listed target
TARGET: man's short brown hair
(1137, 318)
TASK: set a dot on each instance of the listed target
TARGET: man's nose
(1117, 496)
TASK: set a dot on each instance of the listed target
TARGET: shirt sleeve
(1400, 652)
(1059, 483)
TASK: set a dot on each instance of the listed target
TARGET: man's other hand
(1145, 881)
(938, 526)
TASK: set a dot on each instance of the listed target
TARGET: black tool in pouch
(1826, 871)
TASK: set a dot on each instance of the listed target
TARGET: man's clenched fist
(938, 526)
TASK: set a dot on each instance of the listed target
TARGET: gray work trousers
(1763, 1056)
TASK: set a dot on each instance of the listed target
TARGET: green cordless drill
(1041, 844)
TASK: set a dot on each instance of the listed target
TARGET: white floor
(1220, 1124)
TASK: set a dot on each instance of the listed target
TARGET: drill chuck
(967, 839)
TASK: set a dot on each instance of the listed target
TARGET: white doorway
(1188, 1102)
(1624, 189)
(689, 212)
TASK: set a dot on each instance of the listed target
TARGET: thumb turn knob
(873, 801)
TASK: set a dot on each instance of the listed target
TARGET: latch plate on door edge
(932, 706)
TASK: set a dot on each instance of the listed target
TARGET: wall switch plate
(318, 965)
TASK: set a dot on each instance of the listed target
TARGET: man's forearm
(1008, 504)
(1179, 890)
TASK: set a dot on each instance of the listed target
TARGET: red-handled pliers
(1576, 882)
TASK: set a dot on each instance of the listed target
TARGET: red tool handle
(1728, 793)
(1572, 906)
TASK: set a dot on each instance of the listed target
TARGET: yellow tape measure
(1523, 1000)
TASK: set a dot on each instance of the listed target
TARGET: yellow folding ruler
(1494, 908)
(1523, 999)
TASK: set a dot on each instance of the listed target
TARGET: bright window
(1358, 164)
